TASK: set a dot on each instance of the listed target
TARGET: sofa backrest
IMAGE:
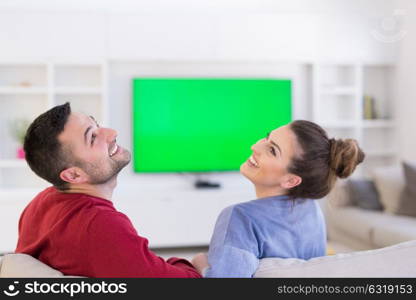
(23, 265)
(390, 182)
(394, 261)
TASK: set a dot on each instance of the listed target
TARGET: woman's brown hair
(321, 160)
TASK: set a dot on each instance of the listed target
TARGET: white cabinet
(356, 101)
(176, 214)
(28, 89)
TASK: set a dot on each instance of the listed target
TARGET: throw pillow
(339, 196)
(408, 198)
(363, 193)
(389, 182)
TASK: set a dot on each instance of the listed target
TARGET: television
(203, 124)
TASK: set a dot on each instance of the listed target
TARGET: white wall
(42, 35)
(406, 88)
(300, 30)
(301, 37)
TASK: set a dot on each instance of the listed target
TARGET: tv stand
(171, 211)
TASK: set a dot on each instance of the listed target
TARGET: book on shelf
(369, 110)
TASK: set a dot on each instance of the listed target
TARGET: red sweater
(83, 235)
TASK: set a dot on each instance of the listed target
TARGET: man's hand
(200, 262)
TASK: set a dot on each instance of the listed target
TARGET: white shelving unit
(338, 106)
(13, 163)
(22, 90)
(29, 88)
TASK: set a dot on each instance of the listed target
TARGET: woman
(289, 168)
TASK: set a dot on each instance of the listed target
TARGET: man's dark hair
(44, 153)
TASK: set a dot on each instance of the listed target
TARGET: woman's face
(267, 166)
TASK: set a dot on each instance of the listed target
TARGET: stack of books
(369, 108)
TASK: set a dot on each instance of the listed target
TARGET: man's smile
(114, 150)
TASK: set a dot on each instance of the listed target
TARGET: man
(73, 225)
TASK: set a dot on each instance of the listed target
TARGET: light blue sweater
(266, 227)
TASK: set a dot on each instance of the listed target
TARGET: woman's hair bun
(345, 156)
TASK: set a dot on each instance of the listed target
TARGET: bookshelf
(354, 100)
(29, 88)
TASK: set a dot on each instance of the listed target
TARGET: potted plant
(18, 128)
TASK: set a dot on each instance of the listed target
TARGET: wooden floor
(186, 252)
(339, 248)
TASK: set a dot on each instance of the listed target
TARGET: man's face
(93, 148)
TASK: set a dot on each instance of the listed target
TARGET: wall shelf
(28, 89)
(22, 90)
(78, 90)
(338, 90)
(378, 124)
(13, 163)
(338, 106)
(348, 124)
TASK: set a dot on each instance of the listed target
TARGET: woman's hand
(200, 262)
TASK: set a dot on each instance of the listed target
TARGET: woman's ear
(291, 181)
(73, 175)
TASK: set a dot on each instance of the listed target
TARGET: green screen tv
(203, 124)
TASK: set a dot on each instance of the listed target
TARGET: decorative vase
(20, 153)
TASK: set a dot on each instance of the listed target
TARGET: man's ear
(73, 175)
(291, 181)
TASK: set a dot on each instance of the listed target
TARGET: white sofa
(361, 229)
(394, 261)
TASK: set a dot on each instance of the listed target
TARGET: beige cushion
(394, 261)
(407, 203)
(339, 196)
(395, 229)
(23, 265)
(390, 184)
(356, 222)
(377, 228)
